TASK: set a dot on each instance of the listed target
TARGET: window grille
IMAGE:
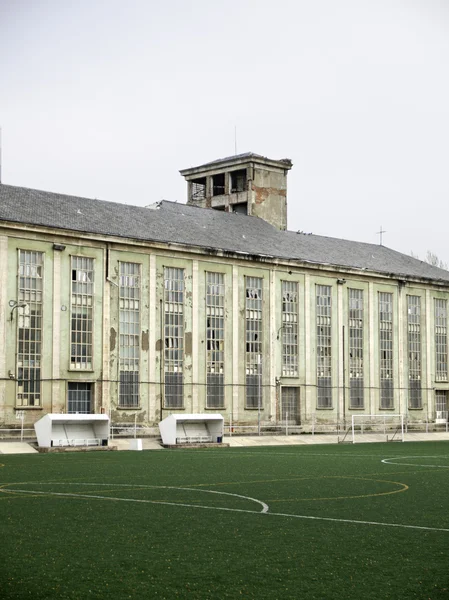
(215, 340)
(129, 331)
(324, 345)
(356, 399)
(386, 350)
(79, 398)
(174, 337)
(440, 340)
(253, 337)
(29, 328)
(414, 351)
(289, 329)
(441, 401)
(82, 312)
(290, 405)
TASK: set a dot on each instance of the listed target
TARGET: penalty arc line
(237, 510)
(265, 507)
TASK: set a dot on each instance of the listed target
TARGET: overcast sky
(109, 99)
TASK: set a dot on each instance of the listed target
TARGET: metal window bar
(29, 328)
(253, 336)
(173, 337)
(386, 350)
(441, 362)
(324, 345)
(290, 329)
(79, 398)
(129, 333)
(82, 293)
(414, 351)
(215, 348)
(356, 388)
(289, 405)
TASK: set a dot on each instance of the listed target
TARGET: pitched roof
(201, 227)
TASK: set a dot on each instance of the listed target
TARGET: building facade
(211, 306)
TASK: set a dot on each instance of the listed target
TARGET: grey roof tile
(178, 223)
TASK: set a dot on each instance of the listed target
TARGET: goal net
(388, 428)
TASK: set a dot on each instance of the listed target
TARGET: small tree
(432, 259)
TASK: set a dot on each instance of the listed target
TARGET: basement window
(218, 184)
(241, 208)
(199, 189)
(238, 181)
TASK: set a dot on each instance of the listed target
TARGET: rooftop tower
(245, 183)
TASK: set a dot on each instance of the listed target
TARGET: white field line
(387, 461)
(237, 510)
(265, 507)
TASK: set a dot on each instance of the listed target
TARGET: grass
(146, 535)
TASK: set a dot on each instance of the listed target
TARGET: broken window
(414, 352)
(218, 184)
(129, 328)
(82, 298)
(241, 208)
(215, 294)
(199, 189)
(29, 328)
(174, 336)
(254, 325)
(386, 350)
(324, 345)
(238, 181)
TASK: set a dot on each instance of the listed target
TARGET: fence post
(286, 422)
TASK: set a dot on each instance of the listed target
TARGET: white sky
(109, 99)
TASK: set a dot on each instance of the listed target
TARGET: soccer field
(347, 522)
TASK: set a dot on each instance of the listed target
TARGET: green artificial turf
(144, 524)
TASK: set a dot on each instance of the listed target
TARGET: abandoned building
(213, 306)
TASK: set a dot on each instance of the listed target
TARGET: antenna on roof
(0, 154)
(235, 140)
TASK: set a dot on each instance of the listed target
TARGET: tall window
(289, 329)
(82, 312)
(324, 346)
(29, 323)
(414, 351)
(215, 339)
(174, 337)
(253, 336)
(440, 339)
(386, 350)
(129, 330)
(356, 348)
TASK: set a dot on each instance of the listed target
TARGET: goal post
(387, 425)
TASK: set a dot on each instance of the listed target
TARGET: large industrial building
(212, 306)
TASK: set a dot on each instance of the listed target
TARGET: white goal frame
(379, 420)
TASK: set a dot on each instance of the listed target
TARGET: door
(441, 405)
(290, 405)
(79, 400)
